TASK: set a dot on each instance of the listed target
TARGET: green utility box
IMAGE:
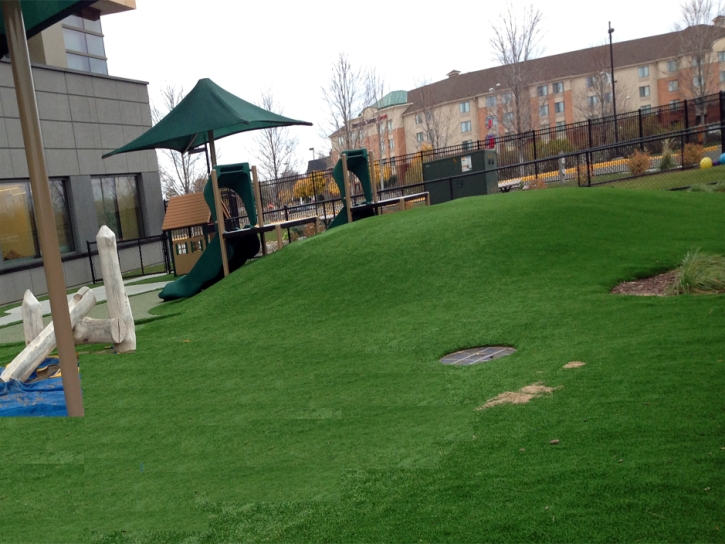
(478, 182)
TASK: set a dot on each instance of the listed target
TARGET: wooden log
(32, 317)
(34, 353)
(100, 331)
(118, 304)
(278, 231)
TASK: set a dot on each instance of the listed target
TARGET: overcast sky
(290, 46)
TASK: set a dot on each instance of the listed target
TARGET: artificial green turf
(301, 399)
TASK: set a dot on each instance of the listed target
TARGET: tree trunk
(34, 353)
(100, 331)
(118, 304)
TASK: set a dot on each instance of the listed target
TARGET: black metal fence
(137, 257)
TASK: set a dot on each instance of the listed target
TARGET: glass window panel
(74, 20)
(129, 210)
(99, 66)
(17, 226)
(77, 62)
(95, 45)
(59, 199)
(74, 40)
(94, 25)
(104, 195)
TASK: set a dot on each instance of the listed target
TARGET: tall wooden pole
(260, 209)
(42, 204)
(220, 228)
(371, 170)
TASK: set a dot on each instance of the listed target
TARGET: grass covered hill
(301, 399)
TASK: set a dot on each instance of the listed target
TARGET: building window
(591, 81)
(491, 122)
(361, 136)
(506, 98)
(671, 65)
(418, 118)
(382, 146)
(467, 144)
(181, 249)
(675, 104)
(197, 245)
(721, 56)
(18, 231)
(697, 81)
(490, 102)
(508, 117)
(673, 85)
(117, 206)
(592, 101)
(643, 71)
(83, 38)
(464, 107)
(722, 77)
(644, 91)
(391, 144)
(420, 136)
(557, 87)
(542, 90)
(466, 126)
(390, 126)
(646, 108)
(607, 98)
(558, 107)
(340, 140)
(560, 126)
(544, 110)
(197, 231)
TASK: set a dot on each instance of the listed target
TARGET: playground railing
(137, 257)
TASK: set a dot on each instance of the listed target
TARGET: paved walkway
(14, 315)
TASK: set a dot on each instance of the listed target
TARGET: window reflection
(117, 206)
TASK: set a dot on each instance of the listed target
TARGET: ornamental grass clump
(700, 273)
(638, 163)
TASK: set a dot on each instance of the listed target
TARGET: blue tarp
(41, 398)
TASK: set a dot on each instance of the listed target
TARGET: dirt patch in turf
(574, 364)
(522, 396)
(655, 286)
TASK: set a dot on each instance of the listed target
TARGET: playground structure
(118, 329)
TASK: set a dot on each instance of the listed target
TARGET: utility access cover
(477, 355)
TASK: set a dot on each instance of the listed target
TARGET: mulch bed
(656, 286)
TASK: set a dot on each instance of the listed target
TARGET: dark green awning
(207, 107)
(40, 14)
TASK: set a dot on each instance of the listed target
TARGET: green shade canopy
(40, 14)
(207, 107)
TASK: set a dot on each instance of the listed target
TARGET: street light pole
(614, 95)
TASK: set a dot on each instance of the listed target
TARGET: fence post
(682, 152)
(286, 218)
(641, 129)
(722, 122)
(450, 187)
(589, 173)
(687, 118)
(165, 249)
(90, 259)
(140, 255)
(589, 129)
(536, 164)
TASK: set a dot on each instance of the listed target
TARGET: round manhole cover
(477, 355)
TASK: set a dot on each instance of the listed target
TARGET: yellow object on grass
(706, 162)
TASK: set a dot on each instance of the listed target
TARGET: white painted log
(118, 304)
(34, 353)
(32, 317)
(99, 331)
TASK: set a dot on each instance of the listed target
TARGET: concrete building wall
(82, 116)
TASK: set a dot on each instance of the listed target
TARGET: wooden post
(220, 228)
(317, 224)
(42, 204)
(118, 304)
(401, 204)
(371, 170)
(260, 209)
(427, 199)
(32, 317)
(278, 230)
(346, 184)
(35, 353)
(100, 331)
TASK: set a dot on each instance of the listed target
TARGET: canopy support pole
(346, 184)
(220, 228)
(260, 208)
(44, 215)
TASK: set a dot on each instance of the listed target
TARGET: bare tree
(344, 96)
(276, 147)
(375, 91)
(595, 99)
(433, 119)
(515, 42)
(180, 174)
(697, 73)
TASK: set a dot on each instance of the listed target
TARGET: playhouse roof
(186, 211)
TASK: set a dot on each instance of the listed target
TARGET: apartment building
(84, 112)
(559, 89)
